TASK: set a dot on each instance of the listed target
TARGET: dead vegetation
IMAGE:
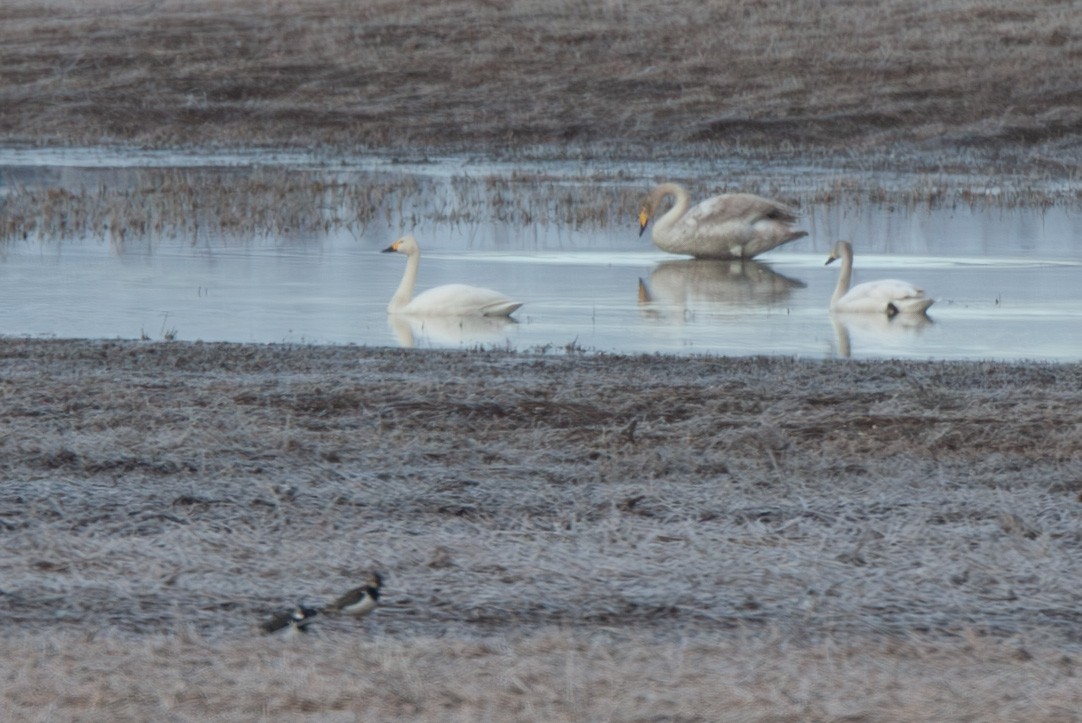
(961, 85)
(551, 675)
(142, 205)
(847, 527)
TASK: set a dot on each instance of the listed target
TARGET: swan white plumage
(886, 296)
(447, 300)
(729, 226)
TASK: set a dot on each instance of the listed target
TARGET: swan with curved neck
(729, 226)
(886, 296)
(446, 300)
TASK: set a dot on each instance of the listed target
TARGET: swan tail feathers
(912, 306)
(503, 308)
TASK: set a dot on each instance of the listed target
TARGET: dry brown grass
(143, 205)
(565, 537)
(547, 675)
(965, 83)
(146, 204)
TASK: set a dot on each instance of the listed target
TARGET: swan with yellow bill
(729, 226)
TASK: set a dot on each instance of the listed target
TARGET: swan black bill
(831, 260)
(389, 250)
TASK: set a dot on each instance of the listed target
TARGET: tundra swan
(886, 296)
(729, 226)
(447, 300)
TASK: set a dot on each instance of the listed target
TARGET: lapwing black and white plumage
(359, 601)
(290, 622)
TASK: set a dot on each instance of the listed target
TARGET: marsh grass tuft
(139, 206)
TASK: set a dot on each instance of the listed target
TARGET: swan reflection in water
(877, 332)
(449, 331)
(677, 288)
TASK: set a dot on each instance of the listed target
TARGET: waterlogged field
(289, 253)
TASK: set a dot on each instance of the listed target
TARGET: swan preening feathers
(730, 226)
(886, 296)
(447, 300)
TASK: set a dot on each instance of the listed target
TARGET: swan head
(841, 250)
(405, 245)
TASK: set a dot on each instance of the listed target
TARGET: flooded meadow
(228, 248)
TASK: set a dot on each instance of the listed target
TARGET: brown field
(565, 537)
(968, 84)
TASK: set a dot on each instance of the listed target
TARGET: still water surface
(1008, 284)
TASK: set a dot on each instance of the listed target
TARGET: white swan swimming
(729, 226)
(886, 296)
(447, 300)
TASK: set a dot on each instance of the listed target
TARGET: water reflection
(678, 288)
(877, 331)
(449, 331)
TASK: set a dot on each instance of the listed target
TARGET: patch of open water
(1008, 284)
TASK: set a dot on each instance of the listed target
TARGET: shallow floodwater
(1008, 285)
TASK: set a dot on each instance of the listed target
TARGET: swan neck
(679, 207)
(404, 293)
(845, 276)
